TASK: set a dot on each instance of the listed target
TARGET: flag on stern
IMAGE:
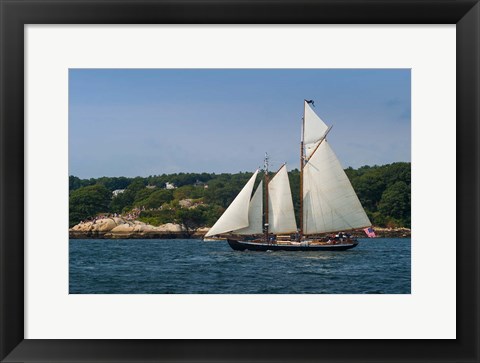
(370, 232)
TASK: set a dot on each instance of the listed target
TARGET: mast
(301, 174)
(266, 197)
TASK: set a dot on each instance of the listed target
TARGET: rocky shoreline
(392, 232)
(120, 228)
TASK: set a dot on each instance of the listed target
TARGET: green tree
(142, 195)
(395, 204)
(191, 219)
(156, 199)
(122, 201)
(137, 184)
(395, 172)
(369, 188)
(75, 182)
(224, 188)
(188, 192)
(157, 217)
(87, 202)
(115, 182)
(125, 201)
(212, 213)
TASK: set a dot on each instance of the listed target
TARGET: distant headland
(185, 205)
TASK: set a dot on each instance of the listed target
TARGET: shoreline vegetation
(186, 205)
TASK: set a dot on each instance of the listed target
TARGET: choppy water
(375, 266)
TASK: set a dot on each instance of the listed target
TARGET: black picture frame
(15, 14)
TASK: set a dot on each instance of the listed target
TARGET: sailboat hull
(255, 246)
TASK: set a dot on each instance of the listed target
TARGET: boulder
(185, 203)
(118, 220)
(202, 230)
(104, 225)
(83, 227)
(170, 227)
(123, 228)
(142, 227)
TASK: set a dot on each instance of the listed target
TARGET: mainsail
(255, 212)
(329, 201)
(281, 217)
(236, 215)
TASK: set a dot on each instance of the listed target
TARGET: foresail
(236, 215)
(329, 201)
(281, 217)
(255, 212)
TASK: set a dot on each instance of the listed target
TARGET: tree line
(384, 192)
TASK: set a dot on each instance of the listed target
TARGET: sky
(141, 122)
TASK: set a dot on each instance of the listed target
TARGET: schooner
(328, 202)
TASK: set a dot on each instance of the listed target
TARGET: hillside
(196, 200)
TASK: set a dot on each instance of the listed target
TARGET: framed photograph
(239, 181)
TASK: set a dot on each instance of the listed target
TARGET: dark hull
(253, 246)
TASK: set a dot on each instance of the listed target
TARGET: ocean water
(102, 266)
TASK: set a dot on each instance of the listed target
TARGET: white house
(117, 192)
(169, 185)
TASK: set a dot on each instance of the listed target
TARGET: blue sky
(142, 122)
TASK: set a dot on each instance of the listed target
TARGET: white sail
(310, 148)
(329, 201)
(236, 215)
(255, 212)
(313, 131)
(281, 217)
